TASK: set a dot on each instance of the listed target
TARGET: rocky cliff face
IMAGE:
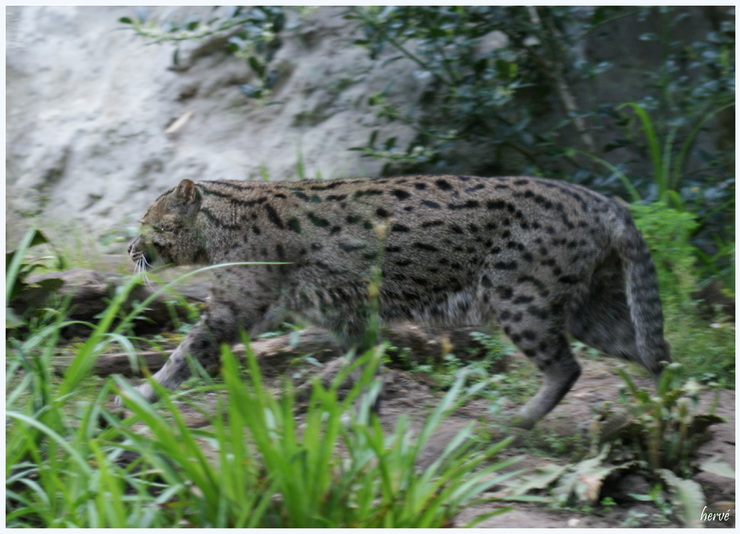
(89, 106)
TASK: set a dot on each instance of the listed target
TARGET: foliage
(706, 350)
(65, 451)
(656, 435)
(477, 60)
(667, 232)
(267, 470)
(444, 371)
(18, 267)
(251, 34)
(293, 475)
(664, 429)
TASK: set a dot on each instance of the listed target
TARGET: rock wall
(89, 103)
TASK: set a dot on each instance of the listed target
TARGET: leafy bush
(479, 61)
(667, 232)
(706, 350)
(664, 429)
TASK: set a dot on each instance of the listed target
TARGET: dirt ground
(408, 393)
(598, 383)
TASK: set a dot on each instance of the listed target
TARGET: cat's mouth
(143, 256)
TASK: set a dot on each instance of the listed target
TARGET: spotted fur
(542, 258)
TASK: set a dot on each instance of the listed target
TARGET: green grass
(265, 469)
(254, 465)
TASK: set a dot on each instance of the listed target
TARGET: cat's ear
(186, 193)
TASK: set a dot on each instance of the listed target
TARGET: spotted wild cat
(543, 258)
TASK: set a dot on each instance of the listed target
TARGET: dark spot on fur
(538, 312)
(444, 185)
(455, 228)
(425, 246)
(294, 224)
(318, 221)
(470, 204)
(350, 247)
(273, 216)
(505, 293)
(505, 265)
(367, 193)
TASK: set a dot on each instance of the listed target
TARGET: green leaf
(540, 479)
(12, 320)
(14, 262)
(687, 495)
(717, 466)
(585, 479)
(257, 66)
(250, 91)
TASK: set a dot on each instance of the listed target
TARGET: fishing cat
(542, 258)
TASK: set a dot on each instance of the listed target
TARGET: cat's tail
(643, 297)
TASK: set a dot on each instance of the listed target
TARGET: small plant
(657, 436)
(664, 431)
(608, 504)
(249, 33)
(18, 267)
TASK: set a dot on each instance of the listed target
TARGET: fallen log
(424, 346)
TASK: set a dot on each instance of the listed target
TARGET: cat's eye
(156, 229)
